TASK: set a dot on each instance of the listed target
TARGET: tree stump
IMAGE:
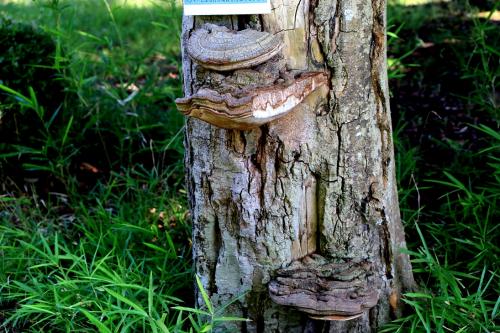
(313, 188)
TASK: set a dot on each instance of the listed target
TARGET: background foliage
(94, 228)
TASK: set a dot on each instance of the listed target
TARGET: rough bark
(319, 180)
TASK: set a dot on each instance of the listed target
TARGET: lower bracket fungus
(325, 290)
(253, 106)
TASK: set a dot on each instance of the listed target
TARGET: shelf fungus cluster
(325, 290)
(243, 82)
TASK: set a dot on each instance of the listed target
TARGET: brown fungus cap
(220, 49)
(254, 107)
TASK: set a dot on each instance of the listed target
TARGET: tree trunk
(318, 180)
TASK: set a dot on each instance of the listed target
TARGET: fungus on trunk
(220, 49)
(254, 107)
(325, 290)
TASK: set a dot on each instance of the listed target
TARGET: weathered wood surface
(318, 180)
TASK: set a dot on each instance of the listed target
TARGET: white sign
(226, 7)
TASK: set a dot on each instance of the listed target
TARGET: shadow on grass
(119, 66)
(447, 88)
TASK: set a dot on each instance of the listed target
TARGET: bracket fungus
(325, 290)
(251, 108)
(220, 49)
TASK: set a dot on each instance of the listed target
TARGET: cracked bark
(319, 180)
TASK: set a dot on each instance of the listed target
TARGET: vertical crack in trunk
(340, 175)
(190, 80)
(386, 247)
(217, 247)
(377, 59)
(260, 163)
(320, 207)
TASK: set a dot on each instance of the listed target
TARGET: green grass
(455, 254)
(449, 205)
(114, 264)
(120, 86)
(94, 226)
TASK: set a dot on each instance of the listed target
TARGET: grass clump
(27, 58)
(455, 253)
(111, 269)
(31, 93)
(121, 90)
(447, 151)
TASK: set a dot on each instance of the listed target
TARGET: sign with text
(226, 7)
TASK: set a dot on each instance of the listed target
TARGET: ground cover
(444, 64)
(94, 228)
